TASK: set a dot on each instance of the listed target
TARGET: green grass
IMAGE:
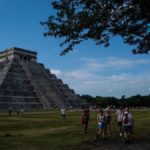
(46, 130)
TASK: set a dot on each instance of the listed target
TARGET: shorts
(101, 125)
(127, 129)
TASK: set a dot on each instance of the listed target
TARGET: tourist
(63, 112)
(127, 123)
(101, 124)
(119, 115)
(18, 111)
(9, 111)
(21, 111)
(85, 119)
(107, 115)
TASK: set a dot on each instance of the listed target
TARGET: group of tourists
(18, 111)
(123, 118)
(103, 120)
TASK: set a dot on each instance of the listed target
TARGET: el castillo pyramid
(26, 83)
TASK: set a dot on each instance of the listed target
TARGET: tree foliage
(133, 101)
(100, 20)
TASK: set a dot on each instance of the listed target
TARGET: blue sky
(89, 69)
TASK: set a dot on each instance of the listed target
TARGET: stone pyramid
(25, 83)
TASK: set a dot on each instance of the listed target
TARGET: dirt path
(113, 144)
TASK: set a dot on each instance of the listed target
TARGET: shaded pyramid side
(16, 89)
(69, 96)
(52, 91)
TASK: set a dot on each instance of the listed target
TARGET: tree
(100, 20)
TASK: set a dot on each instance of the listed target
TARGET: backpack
(125, 119)
(107, 117)
(84, 119)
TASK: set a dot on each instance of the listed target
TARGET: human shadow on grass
(113, 144)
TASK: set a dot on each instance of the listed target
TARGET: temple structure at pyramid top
(25, 83)
(19, 53)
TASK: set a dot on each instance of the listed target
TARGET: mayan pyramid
(26, 83)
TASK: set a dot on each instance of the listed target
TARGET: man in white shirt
(119, 114)
(63, 112)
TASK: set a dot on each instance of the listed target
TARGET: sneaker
(120, 134)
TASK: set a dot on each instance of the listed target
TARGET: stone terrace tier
(25, 83)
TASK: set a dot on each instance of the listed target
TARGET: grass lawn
(46, 130)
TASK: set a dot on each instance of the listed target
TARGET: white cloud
(110, 90)
(116, 85)
(88, 80)
(113, 63)
(56, 72)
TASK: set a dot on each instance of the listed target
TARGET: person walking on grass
(9, 111)
(63, 112)
(101, 124)
(85, 119)
(119, 115)
(127, 124)
(107, 115)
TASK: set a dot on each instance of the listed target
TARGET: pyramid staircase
(16, 89)
(25, 83)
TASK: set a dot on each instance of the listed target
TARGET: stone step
(4, 69)
(15, 81)
(16, 93)
(15, 106)
(19, 99)
(7, 86)
(15, 75)
(16, 70)
(3, 64)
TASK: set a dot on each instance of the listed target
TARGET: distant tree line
(133, 101)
